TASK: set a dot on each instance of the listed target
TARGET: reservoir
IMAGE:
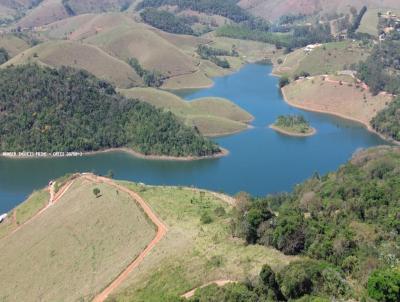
(261, 161)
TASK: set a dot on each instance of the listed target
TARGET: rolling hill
(211, 116)
(78, 245)
(89, 240)
(273, 9)
(46, 12)
(80, 56)
(13, 44)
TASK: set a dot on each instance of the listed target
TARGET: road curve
(161, 232)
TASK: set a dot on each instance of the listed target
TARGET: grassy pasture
(13, 44)
(348, 100)
(75, 248)
(212, 116)
(192, 253)
(152, 51)
(24, 211)
(81, 56)
(330, 58)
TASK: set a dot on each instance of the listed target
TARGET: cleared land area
(346, 99)
(81, 56)
(212, 116)
(192, 253)
(152, 51)
(328, 58)
(75, 248)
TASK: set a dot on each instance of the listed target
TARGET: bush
(283, 81)
(220, 212)
(384, 285)
(206, 218)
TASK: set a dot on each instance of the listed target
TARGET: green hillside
(48, 110)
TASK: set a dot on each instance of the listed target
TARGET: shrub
(283, 81)
(384, 285)
(206, 218)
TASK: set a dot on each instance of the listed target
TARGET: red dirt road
(161, 232)
(54, 198)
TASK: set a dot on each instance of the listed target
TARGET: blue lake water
(261, 161)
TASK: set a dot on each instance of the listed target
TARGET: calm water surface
(261, 161)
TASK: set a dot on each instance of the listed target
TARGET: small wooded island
(294, 125)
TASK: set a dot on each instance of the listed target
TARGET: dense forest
(357, 22)
(166, 21)
(349, 219)
(4, 56)
(212, 54)
(50, 110)
(387, 121)
(381, 71)
(225, 8)
(299, 36)
(151, 78)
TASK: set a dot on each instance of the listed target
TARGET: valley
(199, 151)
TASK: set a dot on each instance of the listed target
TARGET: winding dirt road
(54, 198)
(161, 232)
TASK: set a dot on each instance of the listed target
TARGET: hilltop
(81, 232)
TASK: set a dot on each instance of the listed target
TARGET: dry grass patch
(347, 100)
(153, 52)
(46, 12)
(75, 248)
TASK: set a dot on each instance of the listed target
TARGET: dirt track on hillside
(161, 232)
(219, 283)
(54, 198)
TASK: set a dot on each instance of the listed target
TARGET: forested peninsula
(68, 110)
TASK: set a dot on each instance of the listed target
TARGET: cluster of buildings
(388, 23)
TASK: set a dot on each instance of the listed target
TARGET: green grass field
(75, 248)
(329, 58)
(24, 211)
(192, 253)
(212, 116)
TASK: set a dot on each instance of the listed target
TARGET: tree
(283, 81)
(96, 192)
(4, 57)
(384, 285)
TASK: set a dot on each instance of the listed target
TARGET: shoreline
(363, 123)
(222, 153)
(295, 134)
